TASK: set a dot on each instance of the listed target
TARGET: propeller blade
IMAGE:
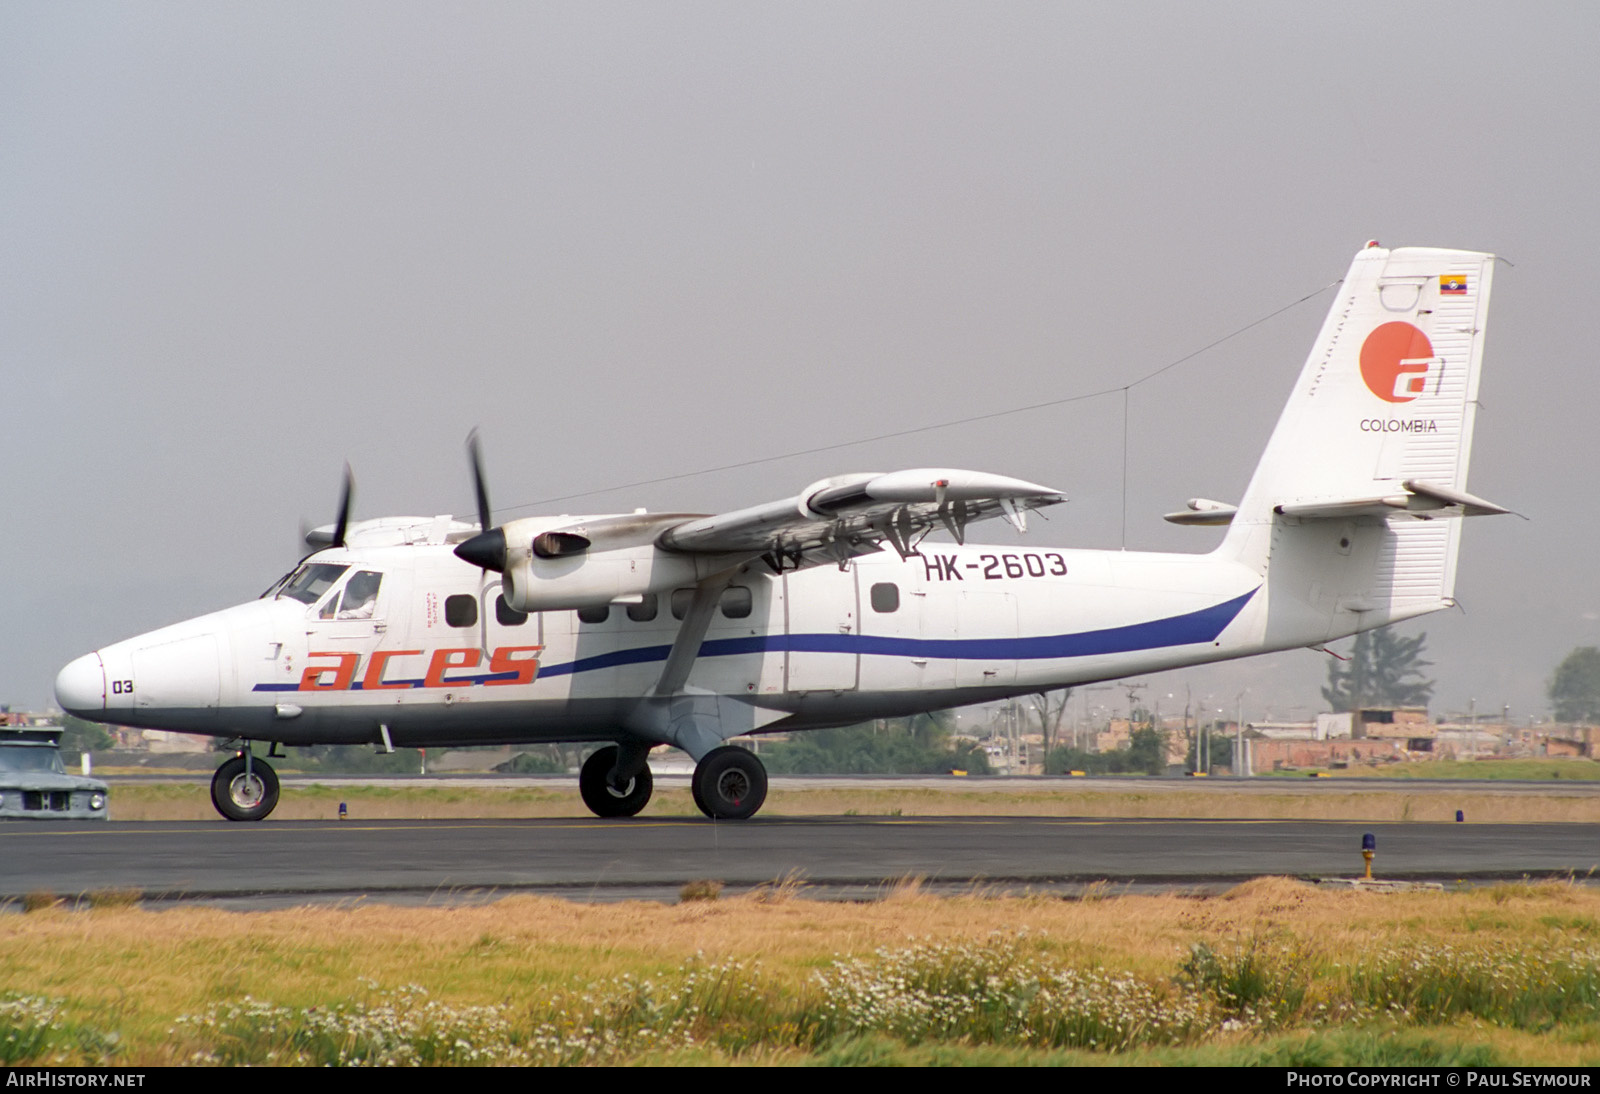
(479, 485)
(344, 507)
(487, 549)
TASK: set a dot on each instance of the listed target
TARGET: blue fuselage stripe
(1178, 630)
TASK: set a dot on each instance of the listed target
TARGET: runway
(295, 862)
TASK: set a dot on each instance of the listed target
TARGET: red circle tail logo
(1396, 360)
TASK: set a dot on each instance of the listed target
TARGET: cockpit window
(360, 595)
(311, 581)
(272, 590)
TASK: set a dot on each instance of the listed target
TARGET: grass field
(1540, 770)
(1561, 768)
(1273, 972)
(1267, 799)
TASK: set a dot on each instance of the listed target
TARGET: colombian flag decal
(1453, 284)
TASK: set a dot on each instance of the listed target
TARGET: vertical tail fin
(1372, 445)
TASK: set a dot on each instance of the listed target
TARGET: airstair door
(822, 618)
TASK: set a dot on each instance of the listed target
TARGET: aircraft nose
(81, 687)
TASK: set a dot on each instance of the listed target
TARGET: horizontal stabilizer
(1203, 512)
(1470, 505)
(1422, 500)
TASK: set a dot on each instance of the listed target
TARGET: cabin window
(311, 581)
(646, 609)
(461, 610)
(681, 599)
(736, 601)
(886, 597)
(506, 615)
(360, 595)
(595, 613)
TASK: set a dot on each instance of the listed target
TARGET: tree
(1384, 670)
(1049, 707)
(546, 760)
(1062, 760)
(920, 745)
(1147, 750)
(1146, 753)
(1575, 688)
(78, 735)
(1219, 749)
(355, 760)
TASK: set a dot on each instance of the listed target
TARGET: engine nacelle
(559, 564)
(592, 578)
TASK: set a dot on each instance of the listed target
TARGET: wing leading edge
(839, 518)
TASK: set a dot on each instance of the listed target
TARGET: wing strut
(686, 647)
(633, 753)
(693, 719)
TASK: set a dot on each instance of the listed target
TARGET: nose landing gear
(245, 788)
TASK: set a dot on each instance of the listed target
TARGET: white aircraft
(646, 629)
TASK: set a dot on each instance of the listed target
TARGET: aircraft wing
(839, 518)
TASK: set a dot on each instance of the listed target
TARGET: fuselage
(411, 642)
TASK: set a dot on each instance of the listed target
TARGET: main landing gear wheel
(242, 795)
(730, 783)
(601, 797)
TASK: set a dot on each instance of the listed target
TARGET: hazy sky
(243, 243)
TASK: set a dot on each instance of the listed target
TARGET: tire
(598, 795)
(730, 783)
(245, 798)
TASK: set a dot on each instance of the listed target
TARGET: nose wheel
(245, 788)
(730, 783)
